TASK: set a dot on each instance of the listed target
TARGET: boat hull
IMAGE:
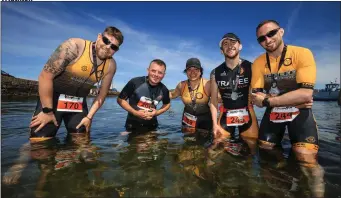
(326, 96)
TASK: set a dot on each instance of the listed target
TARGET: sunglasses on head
(269, 35)
(107, 42)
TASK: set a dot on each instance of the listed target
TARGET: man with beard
(67, 78)
(232, 78)
(287, 73)
(144, 94)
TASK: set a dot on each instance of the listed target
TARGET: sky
(171, 31)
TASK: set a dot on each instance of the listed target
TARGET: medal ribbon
(281, 61)
(235, 87)
(193, 96)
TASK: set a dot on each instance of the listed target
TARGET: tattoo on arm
(62, 57)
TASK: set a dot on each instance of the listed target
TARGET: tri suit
(70, 89)
(234, 88)
(295, 69)
(196, 114)
(143, 96)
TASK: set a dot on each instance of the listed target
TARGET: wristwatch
(47, 110)
(266, 102)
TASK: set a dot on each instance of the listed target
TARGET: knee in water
(266, 145)
(306, 154)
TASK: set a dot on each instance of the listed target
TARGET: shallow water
(160, 163)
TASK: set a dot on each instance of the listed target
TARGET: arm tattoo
(62, 57)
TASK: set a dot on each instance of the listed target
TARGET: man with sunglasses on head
(287, 74)
(144, 94)
(232, 79)
(67, 78)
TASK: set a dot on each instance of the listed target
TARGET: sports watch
(266, 102)
(47, 110)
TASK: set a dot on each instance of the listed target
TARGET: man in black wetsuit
(144, 94)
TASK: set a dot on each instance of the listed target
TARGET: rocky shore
(18, 87)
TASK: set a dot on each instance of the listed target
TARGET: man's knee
(266, 145)
(306, 153)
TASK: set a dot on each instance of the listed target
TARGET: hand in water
(85, 122)
(217, 131)
(42, 119)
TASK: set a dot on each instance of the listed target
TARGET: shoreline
(12, 87)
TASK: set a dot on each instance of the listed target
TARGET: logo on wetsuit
(226, 84)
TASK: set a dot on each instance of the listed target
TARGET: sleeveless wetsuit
(298, 70)
(196, 114)
(74, 82)
(234, 88)
(142, 95)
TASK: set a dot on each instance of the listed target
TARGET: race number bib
(189, 120)
(283, 114)
(145, 103)
(237, 117)
(70, 103)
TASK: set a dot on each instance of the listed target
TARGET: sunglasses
(107, 42)
(269, 35)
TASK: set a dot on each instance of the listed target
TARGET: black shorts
(302, 129)
(136, 126)
(71, 120)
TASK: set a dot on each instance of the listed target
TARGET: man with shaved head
(287, 75)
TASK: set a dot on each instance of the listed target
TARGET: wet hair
(201, 71)
(265, 22)
(159, 62)
(113, 31)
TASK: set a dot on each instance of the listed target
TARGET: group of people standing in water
(281, 80)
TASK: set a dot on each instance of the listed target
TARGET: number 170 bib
(70, 103)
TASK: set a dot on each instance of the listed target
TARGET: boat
(331, 92)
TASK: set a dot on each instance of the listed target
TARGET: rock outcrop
(12, 86)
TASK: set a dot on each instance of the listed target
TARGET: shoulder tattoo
(62, 57)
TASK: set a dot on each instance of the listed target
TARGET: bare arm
(62, 57)
(105, 85)
(214, 99)
(163, 109)
(207, 87)
(126, 106)
(292, 98)
(176, 93)
(59, 60)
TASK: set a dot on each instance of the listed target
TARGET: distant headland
(18, 87)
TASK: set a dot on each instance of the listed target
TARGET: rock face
(11, 86)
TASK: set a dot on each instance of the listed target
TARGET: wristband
(266, 102)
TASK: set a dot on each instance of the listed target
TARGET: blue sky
(171, 31)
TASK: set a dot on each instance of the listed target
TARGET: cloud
(326, 51)
(45, 27)
(293, 17)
